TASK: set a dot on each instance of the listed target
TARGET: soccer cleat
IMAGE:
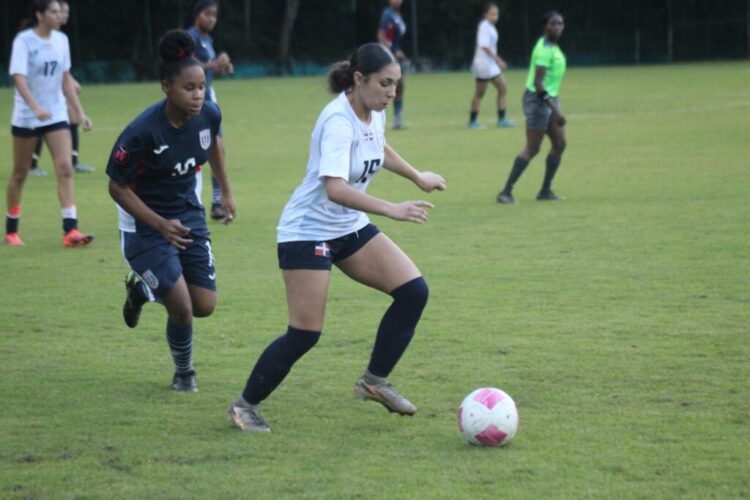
(505, 198)
(549, 196)
(137, 295)
(370, 387)
(476, 125)
(217, 211)
(13, 240)
(246, 417)
(505, 123)
(75, 238)
(185, 382)
(83, 169)
(37, 172)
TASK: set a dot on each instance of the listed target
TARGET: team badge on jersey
(151, 280)
(323, 249)
(205, 138)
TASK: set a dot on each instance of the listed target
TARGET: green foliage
(616, 319)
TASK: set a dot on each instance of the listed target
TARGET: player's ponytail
(367, 59)
(176, 49)
(36, 7)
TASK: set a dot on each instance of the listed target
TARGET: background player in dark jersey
(390, 32)
(152, 172)
(205, 15)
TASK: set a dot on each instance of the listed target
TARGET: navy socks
(180, 340)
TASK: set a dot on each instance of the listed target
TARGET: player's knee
(181, 316)
(414, 293)
(204, 310)
(559, 146)
(532, 150)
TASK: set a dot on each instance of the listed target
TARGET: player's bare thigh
(306, 295)
(380, 264)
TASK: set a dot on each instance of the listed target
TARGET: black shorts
(323, 254)
(37, 132)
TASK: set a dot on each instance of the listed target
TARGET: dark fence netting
(115, 40)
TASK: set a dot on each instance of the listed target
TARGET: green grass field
(618, 319)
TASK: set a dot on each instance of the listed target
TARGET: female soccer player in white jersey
(487, 66)
(40, 66)
(325, 222)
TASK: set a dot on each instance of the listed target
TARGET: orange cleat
(13, 240)
(75, 238)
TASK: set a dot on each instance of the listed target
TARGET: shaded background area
(115, 40)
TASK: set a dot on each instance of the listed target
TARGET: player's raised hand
(430, 181)
(175, 233)
(411, 211)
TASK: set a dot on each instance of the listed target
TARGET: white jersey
(341, 146)
(484, 66)
(42, 62)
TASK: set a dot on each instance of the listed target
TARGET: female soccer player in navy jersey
(152, 172)
(40, 67)
(325, 223)
(206, 13)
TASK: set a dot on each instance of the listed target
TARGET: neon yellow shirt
(548, 55)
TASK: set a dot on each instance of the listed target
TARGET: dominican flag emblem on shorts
(205, 137)
(323, 250)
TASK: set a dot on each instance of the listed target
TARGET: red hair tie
(181, 53)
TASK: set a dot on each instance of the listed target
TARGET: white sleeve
(66, 53)
(483, 36)
(19, 59)
(335, 148)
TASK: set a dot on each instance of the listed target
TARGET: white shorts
(485, 70)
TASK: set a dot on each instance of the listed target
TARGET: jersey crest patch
(121, 155)
(205, 138)
(151, 280)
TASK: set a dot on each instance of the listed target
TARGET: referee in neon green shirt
(542, 109)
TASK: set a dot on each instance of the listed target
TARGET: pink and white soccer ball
(488, 417)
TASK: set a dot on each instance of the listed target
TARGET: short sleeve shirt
(341, 146)
(548, 55)
(159, 162)
(43, 61)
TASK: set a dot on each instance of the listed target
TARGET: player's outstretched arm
(427, 181)
(339, 191)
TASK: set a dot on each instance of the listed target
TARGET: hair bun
(176, 45)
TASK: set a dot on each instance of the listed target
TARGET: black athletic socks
(519, 165)
(397, 326)
(276, 362)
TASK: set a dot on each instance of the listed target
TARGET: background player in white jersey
(487, 66)
(40, 67)
(73, 118)
(325, 222)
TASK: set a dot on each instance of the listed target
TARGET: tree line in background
(284, 33)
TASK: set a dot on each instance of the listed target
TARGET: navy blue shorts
(161, 264)
(323, 254)
(37, 132)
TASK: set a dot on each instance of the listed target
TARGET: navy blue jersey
(158, 161)
(205, 53)
(394, 27)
